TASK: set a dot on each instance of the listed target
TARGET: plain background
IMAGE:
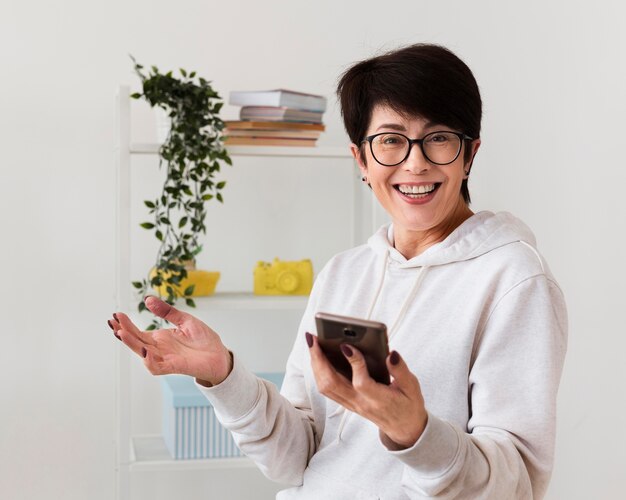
(552, 76)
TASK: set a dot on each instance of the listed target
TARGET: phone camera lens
(349, 332)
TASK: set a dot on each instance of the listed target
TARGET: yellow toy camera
(283, 277)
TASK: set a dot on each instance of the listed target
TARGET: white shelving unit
(141, 453)
(150, 454)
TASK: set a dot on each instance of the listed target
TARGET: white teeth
(416, 189)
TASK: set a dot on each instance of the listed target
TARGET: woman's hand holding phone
(397, 409)
(190, 348)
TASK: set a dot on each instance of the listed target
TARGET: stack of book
(275, 118)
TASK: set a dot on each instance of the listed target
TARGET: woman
(477, 324)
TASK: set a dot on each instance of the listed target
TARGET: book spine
(279, 98)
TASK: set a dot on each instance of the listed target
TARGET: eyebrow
(402, 128)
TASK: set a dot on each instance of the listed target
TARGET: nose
(416, 162)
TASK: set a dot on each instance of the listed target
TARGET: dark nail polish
(118, 337)
(144, 353)
(347, 350)
(115, 317)
(394, 358)
(309, 339)
(110, 324)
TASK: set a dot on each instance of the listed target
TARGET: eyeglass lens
(438, 147)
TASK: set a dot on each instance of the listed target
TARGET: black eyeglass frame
(420, 142)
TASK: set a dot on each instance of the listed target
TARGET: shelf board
(245, 301)
(315, 152)
(150, 454)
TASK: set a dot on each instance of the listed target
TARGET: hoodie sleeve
(276, 430)
(507, 449)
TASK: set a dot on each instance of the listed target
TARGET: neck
(412, 243)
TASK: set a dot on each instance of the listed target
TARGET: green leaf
(141, 306)
(207, 197)
(220, 185)
(149, 204)
(147, 225)
(219, 197)
(159, 235)
(183, 72)
(182, 222)
(189, 290)
(138, 284)
(151, 327)
(190, 302)
(136, 95)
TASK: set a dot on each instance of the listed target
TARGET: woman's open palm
(190, 348)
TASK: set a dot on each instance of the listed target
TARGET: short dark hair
(423, 80)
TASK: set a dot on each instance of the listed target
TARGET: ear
(356, 153)
(468, 167)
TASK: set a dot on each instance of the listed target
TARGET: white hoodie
(479, 320)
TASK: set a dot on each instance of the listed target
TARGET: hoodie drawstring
(407, 301)
(380, 286)
(409, 298)
(400, 316)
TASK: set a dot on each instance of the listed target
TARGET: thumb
(163, 310)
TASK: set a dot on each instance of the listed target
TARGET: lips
(417, 191)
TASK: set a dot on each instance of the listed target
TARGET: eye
(390, 140)
(439, 138)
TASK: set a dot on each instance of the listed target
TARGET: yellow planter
(204, 281)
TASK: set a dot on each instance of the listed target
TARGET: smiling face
(423, 199)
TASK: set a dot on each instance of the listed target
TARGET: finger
(403, 378)
(155, 364)
(151, 355)
(361, 379)
(128, 326)
(329, 381)
(163, 310)
(115, 326)
(133, 342)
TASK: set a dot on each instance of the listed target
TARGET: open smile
(417, 192)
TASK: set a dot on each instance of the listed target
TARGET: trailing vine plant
(192, 154)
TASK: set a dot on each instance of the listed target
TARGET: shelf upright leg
(122, 260)
(366, 217)
(357, 205)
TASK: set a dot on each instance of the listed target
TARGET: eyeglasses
(391, 148)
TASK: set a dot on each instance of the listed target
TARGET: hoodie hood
(481, 233)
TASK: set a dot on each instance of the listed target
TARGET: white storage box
(190, 428)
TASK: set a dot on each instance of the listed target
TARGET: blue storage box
(190, 428)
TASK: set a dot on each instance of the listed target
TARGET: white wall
(552, 76)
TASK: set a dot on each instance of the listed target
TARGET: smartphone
(369, 337)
